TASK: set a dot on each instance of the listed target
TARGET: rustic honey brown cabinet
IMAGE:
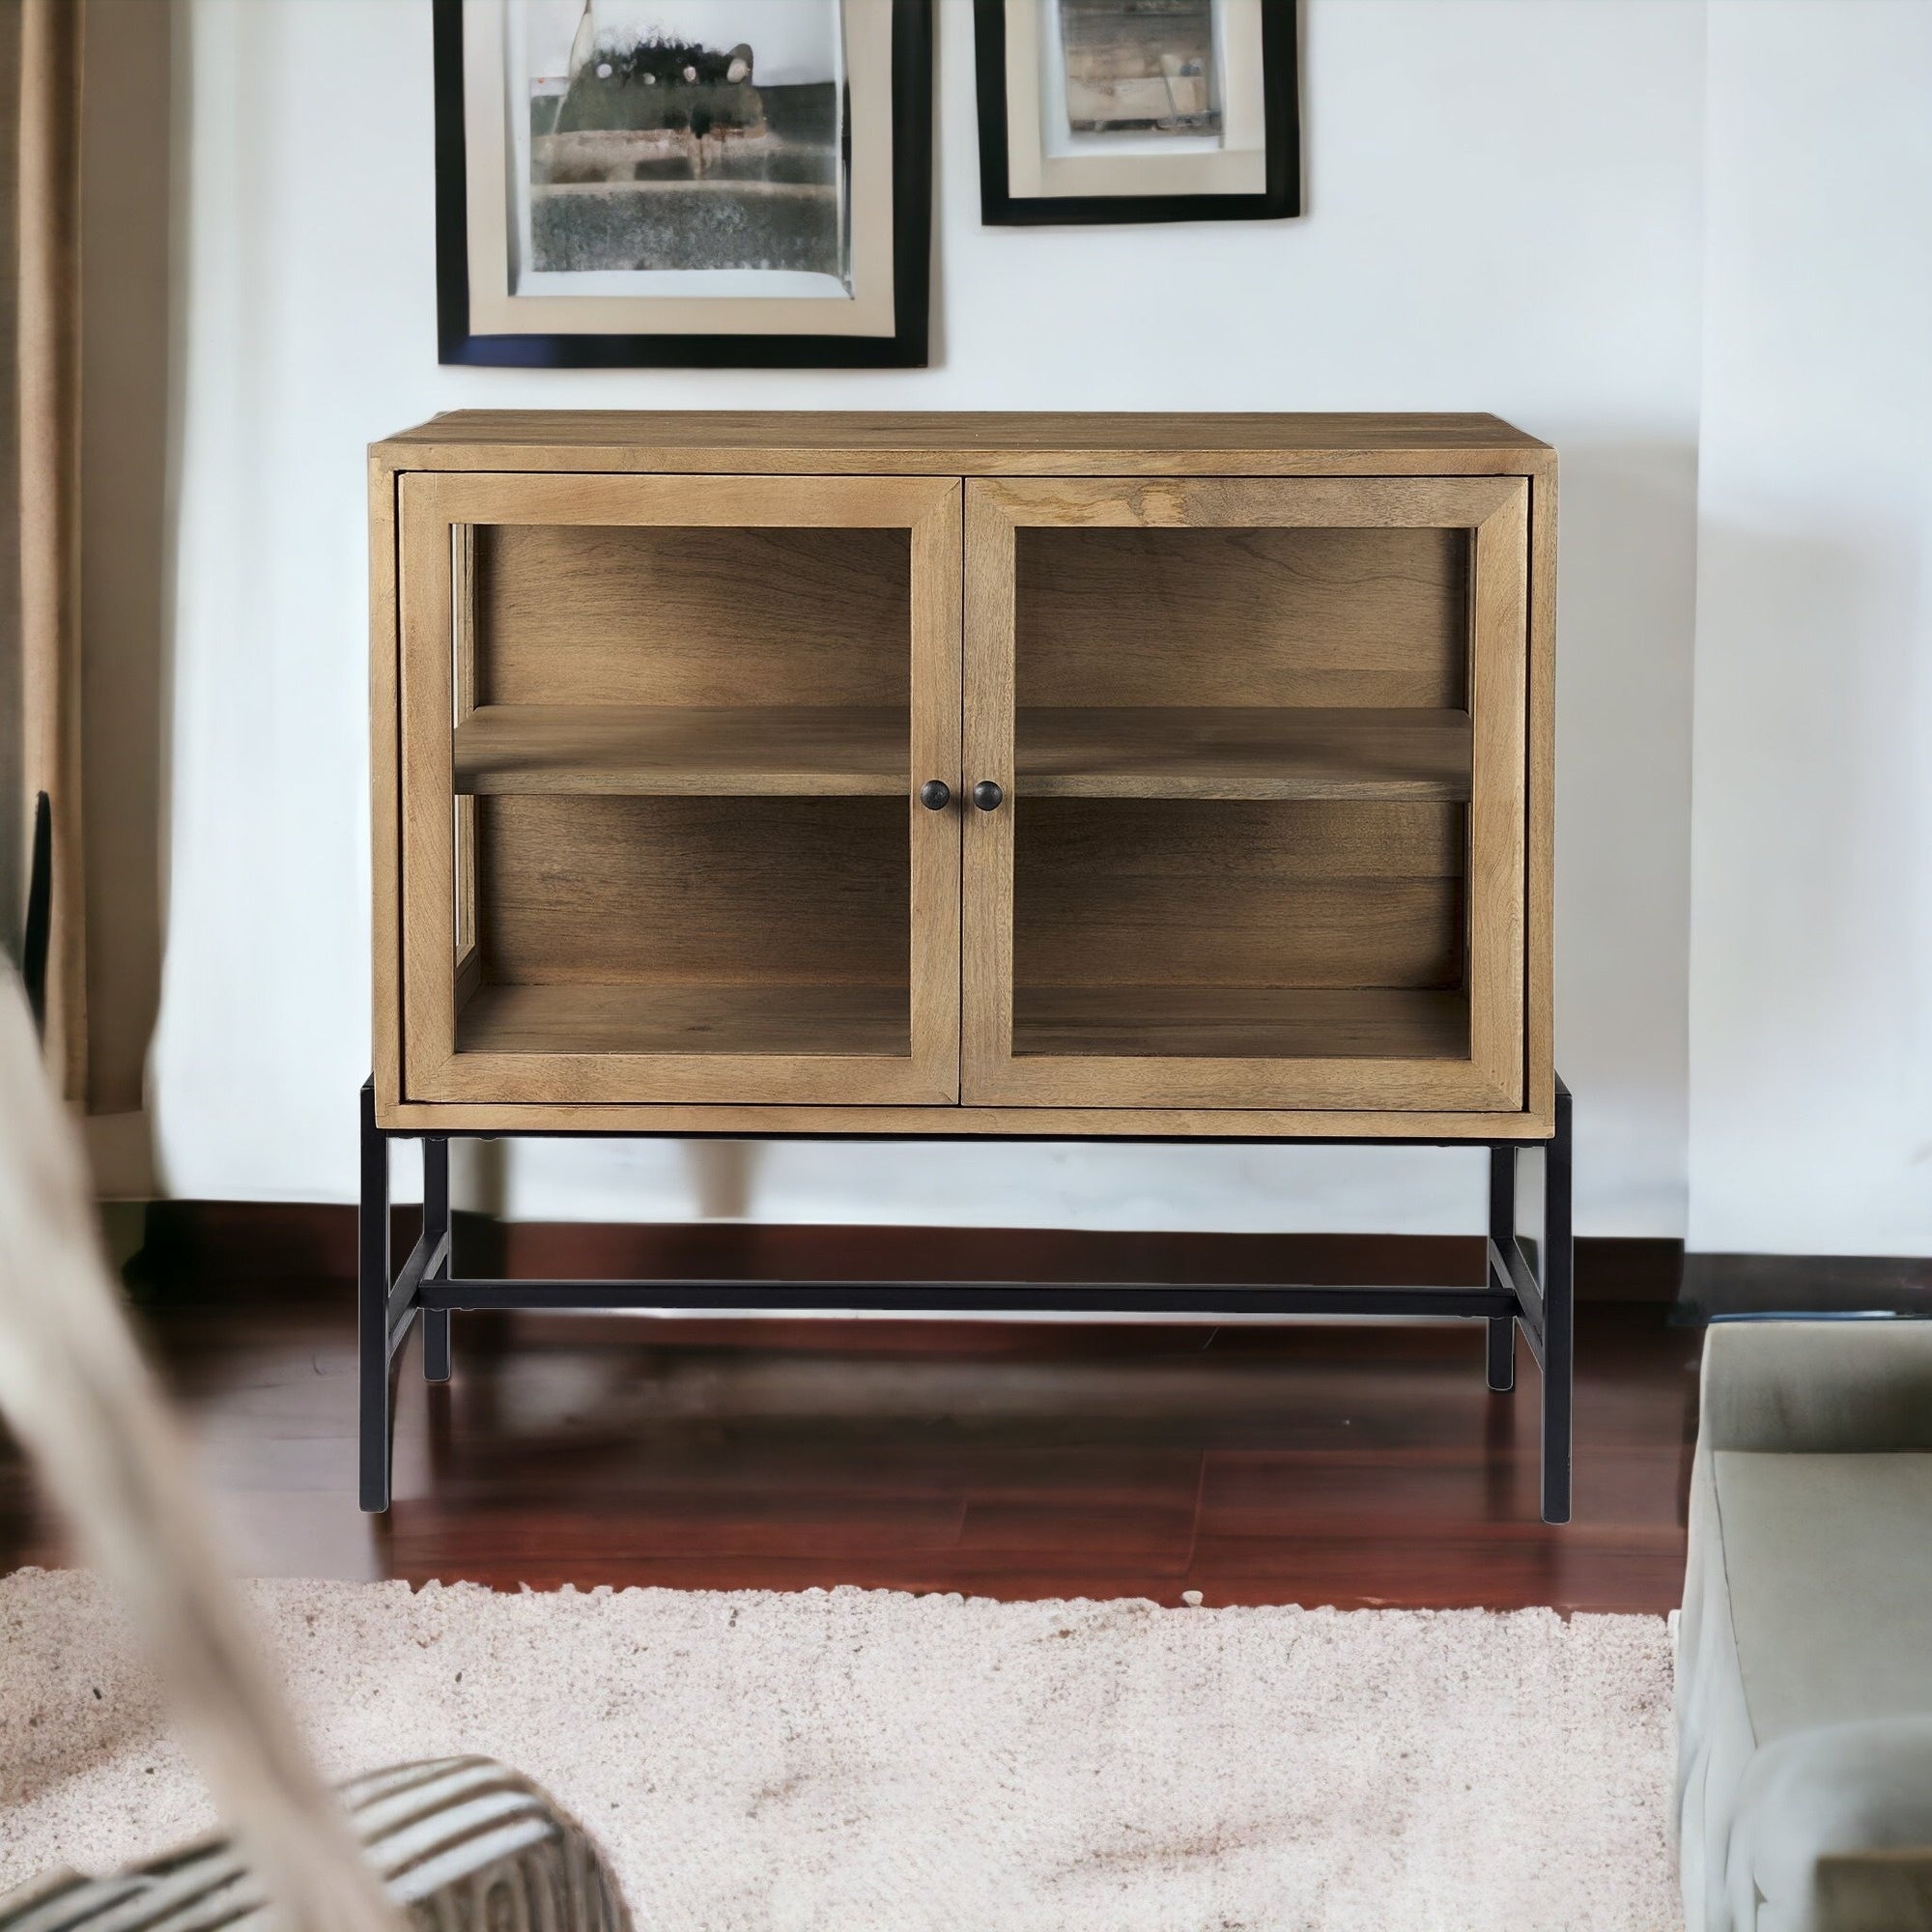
(924, 775)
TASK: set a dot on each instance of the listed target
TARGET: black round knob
(936, 794)
(986, 795)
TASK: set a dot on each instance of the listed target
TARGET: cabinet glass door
(662, 742)
(1259, 752)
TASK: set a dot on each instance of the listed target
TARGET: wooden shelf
(861, 751)
(703, 750)
(1242, 1022)
(663, 1018)
(1245, 752)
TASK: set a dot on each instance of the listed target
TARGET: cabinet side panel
(1539, 1075)
(385, 822)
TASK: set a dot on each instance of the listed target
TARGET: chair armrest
(1817, 1387)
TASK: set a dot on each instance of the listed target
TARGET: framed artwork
(1137, 110)
(700, 182)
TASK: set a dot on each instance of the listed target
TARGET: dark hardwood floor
(1326, 1462)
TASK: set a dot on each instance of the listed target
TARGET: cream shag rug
(873, 1762)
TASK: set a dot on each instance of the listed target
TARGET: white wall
(1506, 204)
(1812, 938)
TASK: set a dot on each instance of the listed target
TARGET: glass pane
(684, 753)
(1243, 772)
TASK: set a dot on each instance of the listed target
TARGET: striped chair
(459, 1843)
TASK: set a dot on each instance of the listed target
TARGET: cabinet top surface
(991, 442)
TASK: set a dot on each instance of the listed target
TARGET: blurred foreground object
(460, 1842)
(447, 1838)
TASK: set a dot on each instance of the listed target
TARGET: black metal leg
(1558, 1309)
(436, 1355)
(373, 1311)
(1501, 1361)
(1499, 1364)
(1535, 1299)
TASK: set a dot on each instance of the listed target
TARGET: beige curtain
(86, 185)
(13, 824)
(126, 187)
(47, 53)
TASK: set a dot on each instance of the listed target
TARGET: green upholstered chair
(1805, 1649)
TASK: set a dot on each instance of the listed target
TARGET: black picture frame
(906, 348)
(1280, 198)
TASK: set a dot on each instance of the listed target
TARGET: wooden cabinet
(1023, 775)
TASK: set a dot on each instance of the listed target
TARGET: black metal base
(1529, 1289)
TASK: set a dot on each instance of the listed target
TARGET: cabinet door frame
(1496, 510)
(437, 510)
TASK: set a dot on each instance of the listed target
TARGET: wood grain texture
(963, 445)
(385, 857)
(570, 499)
(1110, 928)
(1498, 883)
(1248, 617)
(1237, 563)
(938, 565)
(986, 847)
(1250, 752)
(464, 624)
(1240, 1022)
(47, 373)
(1250, 504)
(730, 890)
(688, 615)
(1258, 846)
(851, 1081)
(1211, 894)
(820, 750)
(659, 1019)
(1153, 1086)
(697, 1117)
(1540, 831)
(1310, 1464)
(427, 787)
